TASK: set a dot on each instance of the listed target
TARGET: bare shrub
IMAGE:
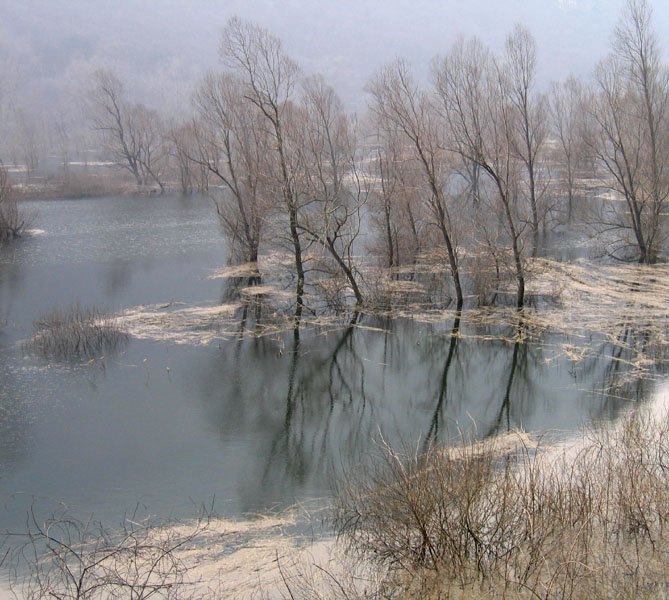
(63, 557)
(78, 332)
(590, 522)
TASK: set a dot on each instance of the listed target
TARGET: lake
(251, 424)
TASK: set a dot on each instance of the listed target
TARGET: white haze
(161, 48)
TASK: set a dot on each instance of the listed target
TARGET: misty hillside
(165, 45)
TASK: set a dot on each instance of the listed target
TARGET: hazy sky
(161, 47)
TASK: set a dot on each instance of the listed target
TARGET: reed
(77, 332)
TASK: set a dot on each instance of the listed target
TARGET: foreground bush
(77, 333)
(65, 558)
(474, 521)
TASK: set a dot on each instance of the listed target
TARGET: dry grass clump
(78, 332)
(590, 522)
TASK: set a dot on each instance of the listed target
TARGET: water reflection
(10, 291)
(14, 420)
(313, 404)
(442, 396)
(255, 420)
(119, 276)
(620, 362)
(503, 420)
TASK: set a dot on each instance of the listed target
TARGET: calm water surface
(251, 425)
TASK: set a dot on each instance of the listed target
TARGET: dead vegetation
(62, 557)
(261, 557)
(77, 333)
(471, 522)
(588, 307)
(508, 517)
(179, 323)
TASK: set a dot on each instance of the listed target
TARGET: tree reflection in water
(433, 431)
(315, 402)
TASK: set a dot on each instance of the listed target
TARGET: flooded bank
(200, 405)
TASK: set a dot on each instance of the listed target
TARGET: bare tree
(10, 76)
(110, 117)
(150, 142)
(269, 78)
(233, 146)
(132, 134)
(182, 146)
(396, 211)
(474, 98)
(387, 195)
(530, 118)
(566, 109)
(28, 142)
(63, 143)
(398, 101)
(335, 189)
(629, 114)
